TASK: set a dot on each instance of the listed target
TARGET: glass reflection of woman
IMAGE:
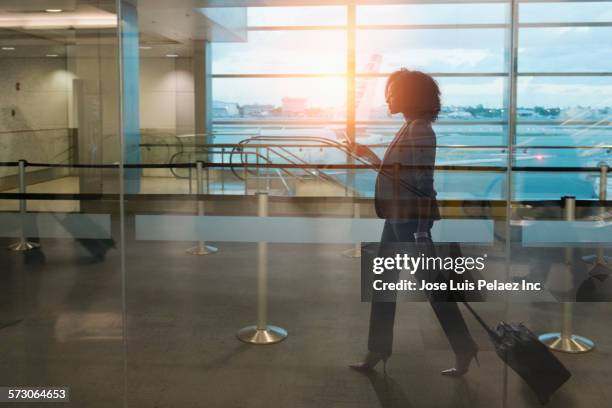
(407, 202)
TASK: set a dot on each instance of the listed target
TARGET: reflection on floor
(79, 326)
(183, 312)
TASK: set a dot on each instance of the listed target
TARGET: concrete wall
(96, 111)
(37, 122)
(166, 107)
(45, 107)
(34, 119)
(167, 94)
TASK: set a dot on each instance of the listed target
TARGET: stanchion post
(257, 173)
(565, 340)
(262, 332)
(268, 185)
(354, 252)
(603, 181)
(222, 170)
(23, 244)
(201, 248)
(246, 177)
(601, 262)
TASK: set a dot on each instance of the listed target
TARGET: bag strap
(481, 321)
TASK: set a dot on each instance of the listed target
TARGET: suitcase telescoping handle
(484, 325)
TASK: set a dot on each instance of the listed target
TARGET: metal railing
(282, 151)
(601, 170)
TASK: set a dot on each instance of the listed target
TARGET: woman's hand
(366, 153)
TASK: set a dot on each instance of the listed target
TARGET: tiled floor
(183, 312)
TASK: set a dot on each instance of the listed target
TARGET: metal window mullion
(434, 74)
(351, 87)
(280, 75)
(439, 74)
(351, 50)
(391, 27)
(512, 50)
(591, 24)
(512, 96)
(565, 74)
(122, 203)
(370, 122)
(395, 122)
(298, 28)
(482, 26)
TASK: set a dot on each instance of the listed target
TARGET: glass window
(565, 49)
(567, 98)
(458, 95)
(439, 50)
(565, 12)
(296, 16)
(277, 52)
(562, 119)
(59, 111)
(432, 14)
(279, 98)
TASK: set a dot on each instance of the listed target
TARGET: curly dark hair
(418, 93)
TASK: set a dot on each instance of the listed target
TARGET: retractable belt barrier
(262, 332)
(601, 263)
(295, 229)
(201, 248)
(23, 244)
(565, 340)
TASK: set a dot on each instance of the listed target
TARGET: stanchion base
(594, 260)
(202, 250)
(600, 270)
(269, 335)
(352, 253)
(23, 246)
(572, 344)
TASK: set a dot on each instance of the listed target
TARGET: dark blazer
(398, 190)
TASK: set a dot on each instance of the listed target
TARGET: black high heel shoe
(462, 364)
(370, 361)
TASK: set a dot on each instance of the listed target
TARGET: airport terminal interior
(183, 211)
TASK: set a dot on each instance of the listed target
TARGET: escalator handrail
(344, 148)
(319, 174)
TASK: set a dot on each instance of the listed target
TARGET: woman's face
(392, 101)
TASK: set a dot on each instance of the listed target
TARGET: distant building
(581, 113)
(256, 110)
(459, 114)
(294, 106)
(225, 109)
(525, 113)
